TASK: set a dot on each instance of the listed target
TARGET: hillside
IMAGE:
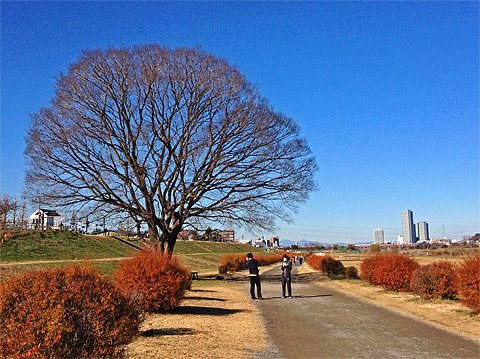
(104, 251)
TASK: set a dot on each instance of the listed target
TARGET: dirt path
(320, 322)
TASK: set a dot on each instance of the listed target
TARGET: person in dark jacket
(286, 276)
(254, 274)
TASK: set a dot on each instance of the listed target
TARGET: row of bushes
(331, 267)
(398, 272)
(75, 312)
(235, 262)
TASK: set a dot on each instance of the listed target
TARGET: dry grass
(216, 320)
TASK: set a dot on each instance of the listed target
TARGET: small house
(45, 219)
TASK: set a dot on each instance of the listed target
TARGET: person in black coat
(286, 276)
(254, 274)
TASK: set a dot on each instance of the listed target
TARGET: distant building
(45, 219)
(400, 240)
(408, 227)
(275, 241)
(422, 230)
(378, 236)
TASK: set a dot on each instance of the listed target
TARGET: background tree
(176, 138)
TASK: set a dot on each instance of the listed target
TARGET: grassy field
(31, 250)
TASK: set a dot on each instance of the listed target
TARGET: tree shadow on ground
(188, 309)
(167, 331)
(206, 298)
(203, 290)
(297, 278)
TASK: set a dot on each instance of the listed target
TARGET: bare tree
(173, 137)
(6, 205)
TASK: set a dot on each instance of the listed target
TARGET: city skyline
(386, 94)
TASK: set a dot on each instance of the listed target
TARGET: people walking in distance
(286, 276)
(254, 274)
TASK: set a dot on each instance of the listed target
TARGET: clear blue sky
(387, 94)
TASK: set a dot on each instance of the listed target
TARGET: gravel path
(320, 322)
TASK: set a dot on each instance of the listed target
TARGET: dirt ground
(216, 320)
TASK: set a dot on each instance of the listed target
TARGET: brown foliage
(391, 271)
(469, 282)
(68, 312)
(160, 280)
(351, 272)
(436, 280)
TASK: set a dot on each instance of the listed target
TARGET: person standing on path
(254, 275)
(286, 276)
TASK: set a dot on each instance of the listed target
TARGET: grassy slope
(25, 246)
(59, 245)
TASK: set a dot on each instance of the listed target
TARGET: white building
(46, 219)
(378, 236)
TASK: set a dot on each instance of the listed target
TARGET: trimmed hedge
(159, 280)
(66, 312)
(469, 282)
(436, 280)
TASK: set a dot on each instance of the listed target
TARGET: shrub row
(235, 262)
(75, 312)
(398, 272)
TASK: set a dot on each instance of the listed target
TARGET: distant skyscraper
(378, 236)
(422, 230)
(408, 227)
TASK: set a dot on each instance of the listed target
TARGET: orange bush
(235, 262)
(469, 282)
(367, 268)
(161, 281)
(436, 280)
(68, 312)
(391, 271)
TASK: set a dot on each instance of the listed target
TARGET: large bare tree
(173, 137)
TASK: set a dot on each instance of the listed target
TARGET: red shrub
(159, 279)
(67, 312)
(235, 262)
(469, 282)
(391, 271)
(367, 267)
(436, 280)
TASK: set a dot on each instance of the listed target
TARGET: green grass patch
(60, 245)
